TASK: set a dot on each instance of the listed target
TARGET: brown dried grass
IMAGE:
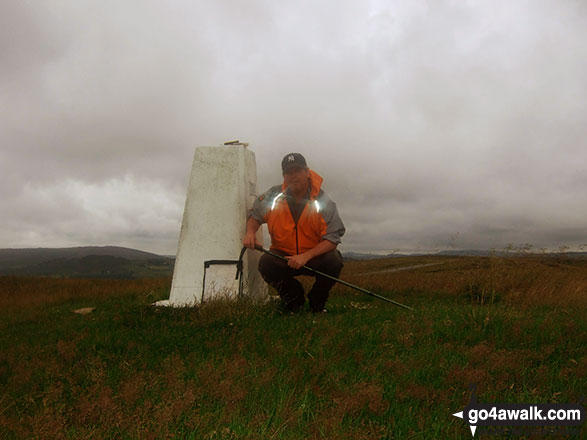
(529, 280)
(26, 292)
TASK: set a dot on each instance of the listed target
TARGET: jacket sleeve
(334, 227)
(262, 204)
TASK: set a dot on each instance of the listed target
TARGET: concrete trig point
(222, 189)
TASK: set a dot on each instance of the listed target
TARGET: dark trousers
(280, 276)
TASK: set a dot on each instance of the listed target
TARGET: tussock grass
(521, 280)
(244, 370)
(26, 292)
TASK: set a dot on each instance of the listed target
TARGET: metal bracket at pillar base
(239, 273)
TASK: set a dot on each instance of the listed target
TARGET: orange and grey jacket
(319, 219)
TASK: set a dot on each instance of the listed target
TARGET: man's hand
(250, 241)
(297, 261)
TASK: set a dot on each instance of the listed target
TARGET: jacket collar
(315, 184)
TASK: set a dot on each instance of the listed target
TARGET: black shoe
(289, 309)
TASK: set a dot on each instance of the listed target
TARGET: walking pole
(360, 289)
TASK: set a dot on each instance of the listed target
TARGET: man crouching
(305, 227)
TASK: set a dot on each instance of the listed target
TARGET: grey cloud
(27, 41)
(428, 120)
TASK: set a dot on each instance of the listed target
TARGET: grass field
(517, 327)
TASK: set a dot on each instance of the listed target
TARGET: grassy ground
(516, 327)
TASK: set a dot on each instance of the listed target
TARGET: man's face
(296, 179)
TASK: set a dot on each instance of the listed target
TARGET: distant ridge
(363, 256)
(39, 255)
(125, 263)
(513, 253)
(462, 253)
(84, 261)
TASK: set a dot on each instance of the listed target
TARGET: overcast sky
(435, 124)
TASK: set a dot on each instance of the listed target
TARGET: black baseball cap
(293, 160)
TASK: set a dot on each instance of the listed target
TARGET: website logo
(560, 418)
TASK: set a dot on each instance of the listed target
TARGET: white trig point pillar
(222, 189)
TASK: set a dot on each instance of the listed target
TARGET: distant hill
(472, 253)
(487, 253)
(362, 256)
(460, 253)
(124, 263)
(84, 262)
